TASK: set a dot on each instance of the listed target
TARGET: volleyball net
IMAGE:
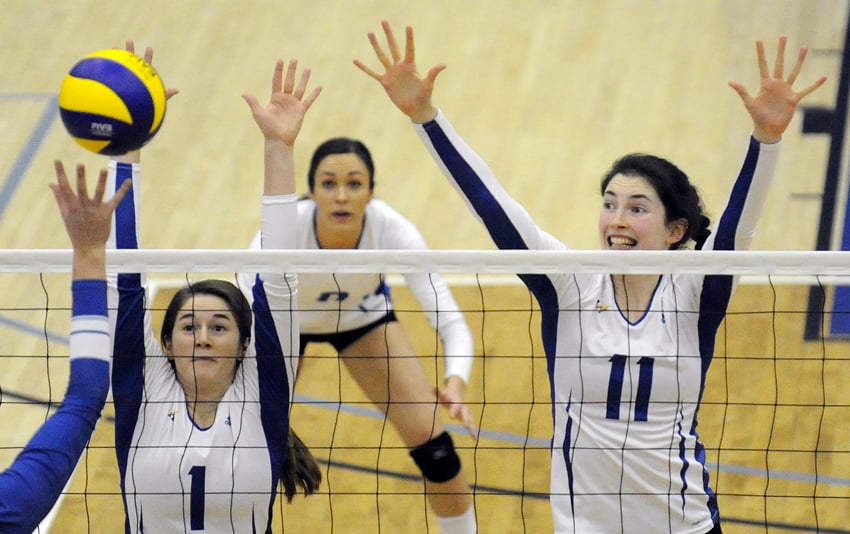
(775, 415)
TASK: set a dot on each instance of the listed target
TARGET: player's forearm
(279, 168)
(89, 264)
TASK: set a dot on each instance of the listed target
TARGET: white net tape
(781, 263)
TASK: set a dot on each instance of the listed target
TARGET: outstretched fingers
(277, 77)
(776, 100)
(82, 187)
(61, 189)
(392, 45)
(391, 42)
(314, 94)
(409, 47)
(798, 66)
(410, 92)
(764, 72)
(85, 217)
(100, 188)
(779, 62)
(100, 191)
(805, 92)
(433, 72)
(281, 117)
(289, 83)
(299, 90)
(379, 51)
(779, 67)
(61, 177)
(130, 46)
(801, 57)
(252, 101)
(119, 194)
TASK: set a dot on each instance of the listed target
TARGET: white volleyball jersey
(175, 476)
(626, 456)
(340, 302)
(179, 477)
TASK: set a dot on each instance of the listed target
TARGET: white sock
(459, 524)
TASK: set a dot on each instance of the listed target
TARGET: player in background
(202, 415)
(628, 355)
(31, 485)
(355, 314)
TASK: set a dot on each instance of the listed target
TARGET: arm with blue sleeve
(33, 483)
(510, 225)
(737, 225)
(276, 322)
(129, 319)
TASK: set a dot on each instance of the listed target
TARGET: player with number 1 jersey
(202, 415)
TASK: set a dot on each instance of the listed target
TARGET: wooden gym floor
(549, 92)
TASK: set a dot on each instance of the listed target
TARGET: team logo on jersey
(333, 296)
(171, 414)
(602, 307)
(227, 421)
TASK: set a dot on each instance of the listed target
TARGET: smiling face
(634, 218)
(342, 189)
(205, 346)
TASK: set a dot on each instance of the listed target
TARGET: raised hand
(134, 156)
(410, 92)
(88, 220)
(130, 46)
(773, 106)
(281, 119)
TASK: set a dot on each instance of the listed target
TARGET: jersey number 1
(196, 501)
(615, 386)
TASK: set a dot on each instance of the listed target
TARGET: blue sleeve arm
(508, 223)
(129, 342)
(276, 327)
(738, 223)
(31, 486)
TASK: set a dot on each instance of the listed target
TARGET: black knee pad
(437, 459)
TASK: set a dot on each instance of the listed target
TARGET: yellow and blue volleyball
(112, 102)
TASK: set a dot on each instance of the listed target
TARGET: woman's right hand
(281, 118)
(407, 90)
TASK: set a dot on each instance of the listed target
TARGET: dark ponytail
(702, 232)
(299, 469)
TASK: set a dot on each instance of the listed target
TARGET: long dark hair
(680, 198)
(300, 469)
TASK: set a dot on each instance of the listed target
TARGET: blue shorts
(341, 340)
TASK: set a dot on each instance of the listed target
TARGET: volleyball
(112, 102)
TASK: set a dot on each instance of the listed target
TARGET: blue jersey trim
(274, 384)
(88, 297)
(125, 212)
(501, 229)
